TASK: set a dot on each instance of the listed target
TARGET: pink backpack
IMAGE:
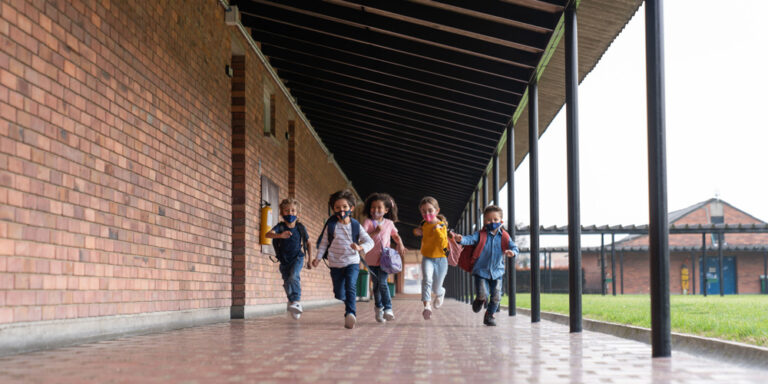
(453, 251)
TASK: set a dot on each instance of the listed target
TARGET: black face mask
(343, 214)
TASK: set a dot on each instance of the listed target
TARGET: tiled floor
(453, 347)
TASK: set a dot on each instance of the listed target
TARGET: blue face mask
(289, 218)
(343, 214)
(492, 226)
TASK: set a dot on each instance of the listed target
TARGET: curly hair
(290, 201)
(389, 203)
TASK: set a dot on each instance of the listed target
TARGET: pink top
(385, 234)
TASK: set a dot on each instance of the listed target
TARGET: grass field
(742, 318)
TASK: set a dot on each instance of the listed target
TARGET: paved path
(453, 347)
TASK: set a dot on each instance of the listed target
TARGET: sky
(716, 55)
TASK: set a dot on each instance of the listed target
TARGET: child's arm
(512, 249)
(366, 243)
(274, 235)
(400, 247)
(468, 240)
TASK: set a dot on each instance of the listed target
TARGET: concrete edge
(723, 350)
(25, 337)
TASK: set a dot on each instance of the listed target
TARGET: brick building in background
(135, 140)
(742, 267)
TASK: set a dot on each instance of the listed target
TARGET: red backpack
(470, 253)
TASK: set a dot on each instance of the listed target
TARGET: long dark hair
(389, 203)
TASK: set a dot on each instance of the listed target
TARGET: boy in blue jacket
(491, 243)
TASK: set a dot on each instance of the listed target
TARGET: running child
(341, 241)
(381, 211)
(492, 243)
(434, 264)
(290, 240)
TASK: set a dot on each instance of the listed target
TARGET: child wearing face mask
(343, 239)
(290, 241)
(380, 225)
(492, 243)
(434, 264)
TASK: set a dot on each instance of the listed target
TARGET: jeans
(292, 278)
(381, 288)
(489, 287)
(345, 286)
(433, 271)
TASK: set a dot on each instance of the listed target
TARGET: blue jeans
(489, 287)
(433, 271)
(345, 286)
(381, 288)
(292, 278)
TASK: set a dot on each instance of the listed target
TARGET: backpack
(453, 251)
(390, 261)
(470, 253)
(304, 238)
(330, 225)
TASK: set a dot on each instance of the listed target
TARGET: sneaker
(295, 308)
(389, 315)
(349, 321)
(296, 316)
(489, 320)
(477, 305)
(380, 315)
(439, 301)
(427, 311)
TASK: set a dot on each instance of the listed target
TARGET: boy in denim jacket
(489, 266)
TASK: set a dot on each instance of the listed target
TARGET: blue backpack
(330, 225)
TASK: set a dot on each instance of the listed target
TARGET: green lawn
(742, 318)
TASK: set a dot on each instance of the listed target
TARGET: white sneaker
(349, 321)
(427, 311)
(296, 316)
(380, 315)
(389, 315)
(295, 308)
(439, 301)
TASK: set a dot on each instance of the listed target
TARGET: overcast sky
(717, 130)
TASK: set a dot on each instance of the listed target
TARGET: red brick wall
(115, 161)
(749, 267)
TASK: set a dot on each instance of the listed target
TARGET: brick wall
(116, 161)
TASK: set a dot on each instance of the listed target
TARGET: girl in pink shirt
(381, 213)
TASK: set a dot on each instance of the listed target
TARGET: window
(269, 112)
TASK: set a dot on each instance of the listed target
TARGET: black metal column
(693, 273)
(533, 162)
(511, 263)
(613, 263)
(484, 200)
(572, 145)
(602, 264)
(658, 227)
(621, 270)
(720, 275)
(704, 268)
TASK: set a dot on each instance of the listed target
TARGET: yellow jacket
(434, 239)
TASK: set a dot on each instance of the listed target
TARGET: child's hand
(401, 250)
(376, 231)
(457, 238)
(509, 253)
(417, 232)
(356, 247)
(284, 235)
(315, 262)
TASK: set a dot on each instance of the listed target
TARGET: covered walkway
(453, 347)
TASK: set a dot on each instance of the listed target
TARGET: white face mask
(377, 215)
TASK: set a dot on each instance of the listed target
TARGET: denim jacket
(490, 263)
